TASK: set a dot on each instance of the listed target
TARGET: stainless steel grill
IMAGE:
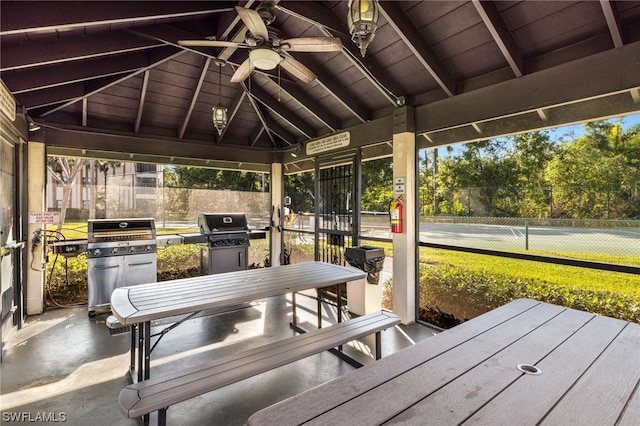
(120, 252)
(227, 242)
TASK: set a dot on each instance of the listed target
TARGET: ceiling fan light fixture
(362, 21)
(264, 59)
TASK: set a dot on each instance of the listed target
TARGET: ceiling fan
(267, 46)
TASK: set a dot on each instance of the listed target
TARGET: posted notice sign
(44, 217)
(329, 143)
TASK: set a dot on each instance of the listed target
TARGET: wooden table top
(147, 302)
(588, 365)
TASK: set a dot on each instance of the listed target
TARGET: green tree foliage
(203, 178)
(493, 174)
(596, 176)
(300, 188)
(377, 184)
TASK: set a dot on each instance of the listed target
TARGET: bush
(466, 294)
(67, 280)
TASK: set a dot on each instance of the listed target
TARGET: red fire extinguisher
(395, 211)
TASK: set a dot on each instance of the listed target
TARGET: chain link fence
(575, 201)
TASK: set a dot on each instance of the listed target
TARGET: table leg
(132, 362)
(147, 350)
(294, 319)
(319, 310)
(141, 349)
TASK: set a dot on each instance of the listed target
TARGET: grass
(568, 276)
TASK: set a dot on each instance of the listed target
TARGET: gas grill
(120, 252)
(226, 245)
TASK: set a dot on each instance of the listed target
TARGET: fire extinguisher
(395, 211)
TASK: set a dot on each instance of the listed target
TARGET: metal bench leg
(162, 417)
(378, 345)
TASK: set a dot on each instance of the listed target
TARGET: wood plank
(306, 406)
(607, 374)
(631, 413)
(458, 400)
(535, 396)
(421, 381)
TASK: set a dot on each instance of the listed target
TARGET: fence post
(526, 235)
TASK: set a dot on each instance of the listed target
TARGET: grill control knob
(97, 252)
(132, 249)
(114, 250)
(147, 248)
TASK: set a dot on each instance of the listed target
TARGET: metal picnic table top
(148, 302)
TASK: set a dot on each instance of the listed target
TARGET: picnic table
(137, 306)
(524, 363)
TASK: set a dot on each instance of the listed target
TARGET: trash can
(365, 296)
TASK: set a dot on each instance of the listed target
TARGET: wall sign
(398, 186)
(339, 140)
(44, 217)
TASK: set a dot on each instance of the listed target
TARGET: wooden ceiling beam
(143, 95)
(277, 108)
(60, 74)
(18, 17)
(41, 53)
(501, 35)
(194, 97)
(113, 83)
(409, 34)
(317, 14)
(612, 17)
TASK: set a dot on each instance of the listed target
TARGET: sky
(576, 130)
(570, 132)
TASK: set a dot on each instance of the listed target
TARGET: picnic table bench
(157, 394)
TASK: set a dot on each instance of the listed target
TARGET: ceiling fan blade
(208, 43)
(242, 72)
(312, 44)
(253, 21)
(297, 69)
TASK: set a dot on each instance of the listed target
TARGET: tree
(377, 184)
(596, 175)
(65, 171)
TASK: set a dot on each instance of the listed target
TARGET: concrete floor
(64, 366)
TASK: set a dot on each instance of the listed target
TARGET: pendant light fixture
(363, 21)
(219, 112)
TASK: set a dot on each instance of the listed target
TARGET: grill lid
(216, 223)
(103, 230)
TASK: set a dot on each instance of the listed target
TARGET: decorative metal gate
(335, 209)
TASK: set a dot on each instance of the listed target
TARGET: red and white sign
(44, 217)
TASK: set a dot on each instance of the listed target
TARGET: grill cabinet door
(140, 269)
(105, 274)
(227, 259)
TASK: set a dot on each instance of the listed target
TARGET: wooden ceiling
(109, 79)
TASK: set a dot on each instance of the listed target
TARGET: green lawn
(569, 276)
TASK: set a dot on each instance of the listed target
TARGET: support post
(36, 183)
(277, 188)
(404, 244)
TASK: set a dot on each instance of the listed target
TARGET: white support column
(276, 200)
(36, 183)
(404, 244)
